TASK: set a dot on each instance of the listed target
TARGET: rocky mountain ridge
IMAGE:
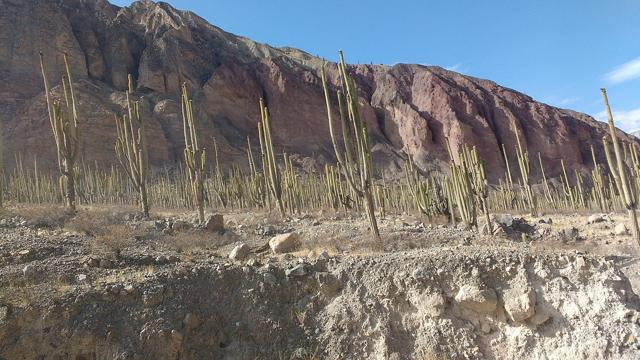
(410, 109)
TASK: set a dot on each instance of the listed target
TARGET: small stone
(283, 243)
(485, 328)
(180, 225)
(106, 263)
(176, 335)
(214, 222)
(239, 252)
(191, 321)
(479, 300)
(621, 230)
(253, 263)
(91, 262)
(269, 278)
(29, 271)
(298, 270)
(81, 277)
(421, 274)
(569, 233)
(4, 314)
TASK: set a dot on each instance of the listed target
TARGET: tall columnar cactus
(269, 163)
(470, 185)
(525, 171)
(63, 117)
(354, 159)
(620, 173)
(131, 148)
(194, 155)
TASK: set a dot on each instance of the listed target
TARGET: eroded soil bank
(454, 300)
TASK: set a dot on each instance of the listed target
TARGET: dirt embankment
(62, 295)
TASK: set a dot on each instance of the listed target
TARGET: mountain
(410, 109)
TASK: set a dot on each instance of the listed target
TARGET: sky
(558, 52)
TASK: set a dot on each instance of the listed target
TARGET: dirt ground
(107, 284)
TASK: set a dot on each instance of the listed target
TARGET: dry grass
(40, 216)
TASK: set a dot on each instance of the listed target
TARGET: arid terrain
(106, 284)
(169, 190)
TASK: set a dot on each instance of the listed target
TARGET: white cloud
(456, 67)
(626, 120)
(569, 100)
(625, 72)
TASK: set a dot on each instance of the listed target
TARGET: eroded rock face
(409, 108)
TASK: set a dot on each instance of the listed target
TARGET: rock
(621, 229)
(283, 243)
(214, 223)
(29, 271)
(432, 304)
(505, 220)
(81, 277)
(479, 300)
(239, 252)
(519, 303)
(596, 218)
(269, 278)
(191, 321)
(106, 263)
(253, 263)
(4, 314)
(298, 270)
(547, 221)
(421, 274)
(569, 233)
(540, 316)
(91, 262)
(181, 225)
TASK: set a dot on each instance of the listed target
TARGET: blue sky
(559, 52)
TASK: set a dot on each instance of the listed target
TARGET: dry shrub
(93, 222)
(41, 216)
(112, 239)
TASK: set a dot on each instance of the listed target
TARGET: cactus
(131, 149)
(355, 163)
(194, 156)
(63, 117)
(619, 172)
(525, 171)
(470, 186)
(269, 163)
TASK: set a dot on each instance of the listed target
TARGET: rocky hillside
(411, 109)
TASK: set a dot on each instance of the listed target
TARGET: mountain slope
(410, 108)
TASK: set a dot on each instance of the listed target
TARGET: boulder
(596, 218)
(477, 299)
(520, 303)
(505, 220)
(283, 243)
(214, 223)
(621, 229)
(239, 252)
